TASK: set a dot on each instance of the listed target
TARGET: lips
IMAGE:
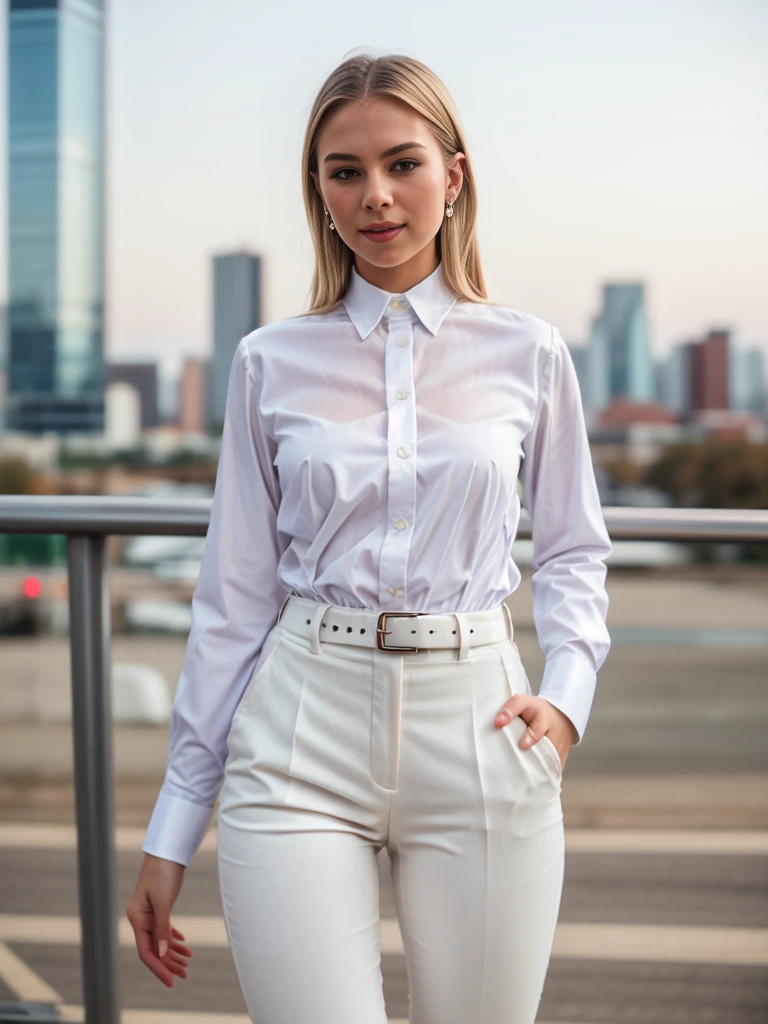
(383, 234)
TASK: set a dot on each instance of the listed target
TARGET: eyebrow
(386, 153)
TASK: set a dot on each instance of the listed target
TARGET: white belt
(399, 632)
(389, 633)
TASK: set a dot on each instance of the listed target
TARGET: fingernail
(502, 718)
(163, 947)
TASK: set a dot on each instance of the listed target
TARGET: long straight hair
(364, 77)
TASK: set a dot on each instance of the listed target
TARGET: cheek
(341, 203)
(426, 200)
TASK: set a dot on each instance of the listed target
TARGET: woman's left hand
(541, 718)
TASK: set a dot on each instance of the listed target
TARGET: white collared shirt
(369, 458)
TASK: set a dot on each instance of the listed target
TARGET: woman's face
(362, 183)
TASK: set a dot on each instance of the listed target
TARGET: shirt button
(400, 524)
(399, 304)
(402, 393)
(391, 590)
(403, 453)
(402, 340)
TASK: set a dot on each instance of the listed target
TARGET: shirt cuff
(569, 683)
(176, 828)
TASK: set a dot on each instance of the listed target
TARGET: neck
(402, 277)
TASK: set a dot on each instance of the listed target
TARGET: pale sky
(612, 141)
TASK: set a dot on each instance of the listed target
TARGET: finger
(178, 967)
(148, 956)
(512, 707)
(177, 934)
(178, 948)
(534, 730)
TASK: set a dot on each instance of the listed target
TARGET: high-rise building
(674, 380)
(756, 397)
(3, 363)
(708, 369)
(142, 377)
(747, 380)
(236, 312)
(192, 403)
(621, 365)
(598, 392)
(55, 216)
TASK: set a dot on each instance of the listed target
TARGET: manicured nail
(502, 718)
(163, 947)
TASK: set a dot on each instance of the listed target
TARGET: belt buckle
(381, 632)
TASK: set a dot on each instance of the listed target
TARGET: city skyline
(656, 179)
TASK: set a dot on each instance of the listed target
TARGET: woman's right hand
(149, 912)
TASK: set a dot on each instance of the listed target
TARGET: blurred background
(152, 215)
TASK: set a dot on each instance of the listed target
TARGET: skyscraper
(675, 380)
(144, 378)
(191, 402)
(747, 384)
(236, 312)
(709, 365)
(621, 365)
(55, 351)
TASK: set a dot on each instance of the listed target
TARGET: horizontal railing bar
(122, 516)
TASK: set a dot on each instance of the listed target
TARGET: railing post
(89, 631)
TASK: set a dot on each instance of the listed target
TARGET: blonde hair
(392, 76)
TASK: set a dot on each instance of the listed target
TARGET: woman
(369, 462)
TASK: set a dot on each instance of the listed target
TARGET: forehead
(371, 125)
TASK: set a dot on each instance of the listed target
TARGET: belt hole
(349, 629)
(362, 630)
(308, 621)
(335, 628)
(431, 631)
(323, 624)
(454, 632)
(471, 631)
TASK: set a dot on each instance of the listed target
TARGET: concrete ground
(665, 907)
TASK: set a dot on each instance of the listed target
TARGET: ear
(456, 171)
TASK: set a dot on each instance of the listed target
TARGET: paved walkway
(665, 908)
(654, 926)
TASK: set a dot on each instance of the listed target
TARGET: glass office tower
(55, 327)
(236, 312)
(621, 364)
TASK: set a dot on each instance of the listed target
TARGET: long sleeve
(570, 541)
(236, 602)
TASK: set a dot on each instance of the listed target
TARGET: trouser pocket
(518, 682)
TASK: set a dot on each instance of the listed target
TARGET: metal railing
(88, 522)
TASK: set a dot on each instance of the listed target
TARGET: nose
(376, 193)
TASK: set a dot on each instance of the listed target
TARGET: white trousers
(336, 752)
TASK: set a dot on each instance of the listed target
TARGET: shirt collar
(430, 299)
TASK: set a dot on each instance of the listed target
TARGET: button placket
(401, 445)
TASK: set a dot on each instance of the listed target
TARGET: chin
(392, 258)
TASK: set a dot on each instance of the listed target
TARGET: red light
(32, 587)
